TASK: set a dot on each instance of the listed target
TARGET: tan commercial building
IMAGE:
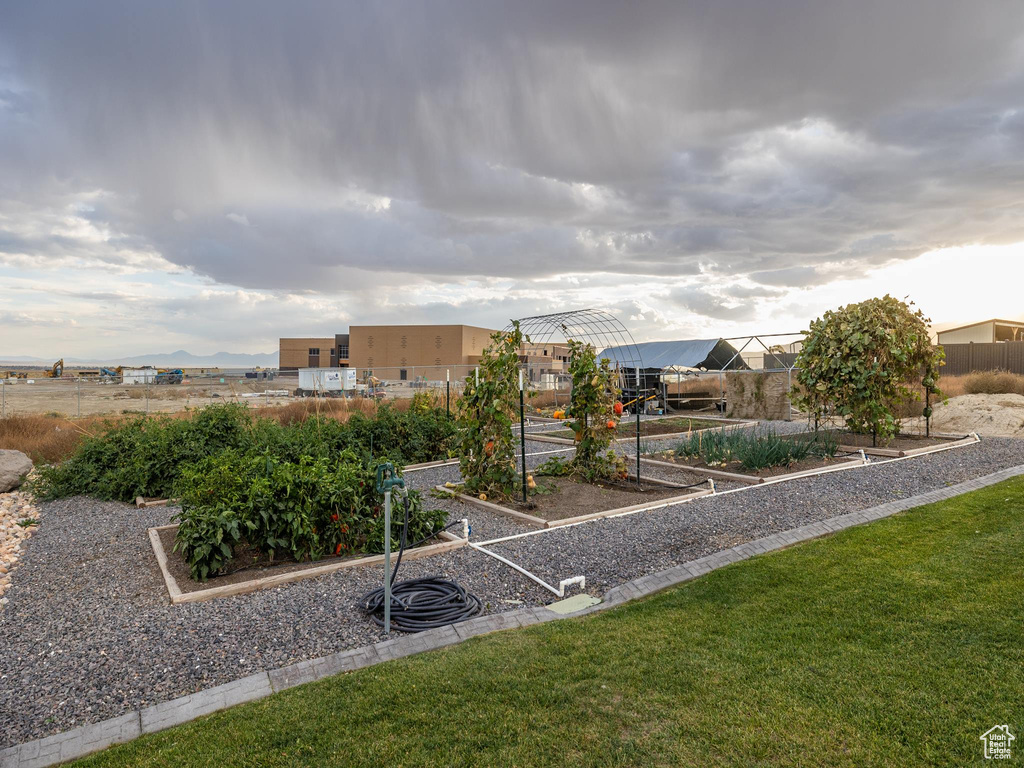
(307, 352)
(396, 351)
(985, 332)
(399, 352)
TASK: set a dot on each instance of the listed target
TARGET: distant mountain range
(179, 358)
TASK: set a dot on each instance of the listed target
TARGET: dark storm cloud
(298, 145)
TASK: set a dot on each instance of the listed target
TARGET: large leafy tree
(486, 411)
(858, 362)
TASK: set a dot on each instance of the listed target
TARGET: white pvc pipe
(560, 592)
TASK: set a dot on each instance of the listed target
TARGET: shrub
(856, 362)
(993, 383)
(755, 449)
(145, 456)
(298, 510)
(486, 412)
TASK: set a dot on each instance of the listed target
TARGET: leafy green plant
(297, 510)
(755, 449)
(145, 456)
(591, 407)
(486, 412)
(857, 361)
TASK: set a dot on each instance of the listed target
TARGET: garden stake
(448, 391)
(637, 427)
(522, 429)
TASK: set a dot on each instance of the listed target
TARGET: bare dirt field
(69, 397)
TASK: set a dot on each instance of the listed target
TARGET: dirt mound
(991, 415)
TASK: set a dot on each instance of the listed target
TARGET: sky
(212, 176)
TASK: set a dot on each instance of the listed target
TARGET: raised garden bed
(900, 445)
(734, 470)
(261, 574)
(668, 426)
(567, 500)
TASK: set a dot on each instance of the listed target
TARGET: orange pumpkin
(617, 408)
(610, 424)
(489, 448)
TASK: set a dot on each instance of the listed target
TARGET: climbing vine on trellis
(486, 411)
(594, 418)
(857, 361)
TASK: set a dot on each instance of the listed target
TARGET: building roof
(983, 322)
(711, 354)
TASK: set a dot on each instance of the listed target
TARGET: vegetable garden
(301, 491)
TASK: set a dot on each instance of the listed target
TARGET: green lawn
(897, 643)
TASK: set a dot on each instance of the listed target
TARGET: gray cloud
(330, 147)
(701, 302)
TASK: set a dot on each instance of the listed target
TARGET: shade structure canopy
(596, 327)
(699, 354)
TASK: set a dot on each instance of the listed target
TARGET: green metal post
(387, 561)
(637, 404)
(386, 479)
(522, 429)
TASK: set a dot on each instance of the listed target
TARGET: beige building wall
(294, 353)
(381, 347)
(983, 333)
(979, 334)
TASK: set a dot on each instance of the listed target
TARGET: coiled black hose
(420, 604)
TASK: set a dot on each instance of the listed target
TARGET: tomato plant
(294, 510)
(857, 361)
(486, 411)
(594, 417)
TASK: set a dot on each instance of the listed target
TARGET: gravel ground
(88, 632)
(15, 508)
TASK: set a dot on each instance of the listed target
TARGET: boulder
(14, 465)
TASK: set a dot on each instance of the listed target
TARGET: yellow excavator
(56, 371)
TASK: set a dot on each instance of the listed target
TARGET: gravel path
(88, 631)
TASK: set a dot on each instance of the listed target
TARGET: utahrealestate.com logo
(997, 742)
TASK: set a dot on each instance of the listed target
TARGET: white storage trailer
(138, 375)
(326, 380)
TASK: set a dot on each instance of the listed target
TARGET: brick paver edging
(86, 739)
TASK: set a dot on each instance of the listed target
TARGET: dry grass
(985, 383)
(976, 383)
(548, 398)
(332, 408)
(46, 438)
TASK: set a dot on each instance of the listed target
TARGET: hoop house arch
(596, 327)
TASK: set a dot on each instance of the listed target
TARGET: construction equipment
(56, 370)
(111, 372)
(169, 376)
